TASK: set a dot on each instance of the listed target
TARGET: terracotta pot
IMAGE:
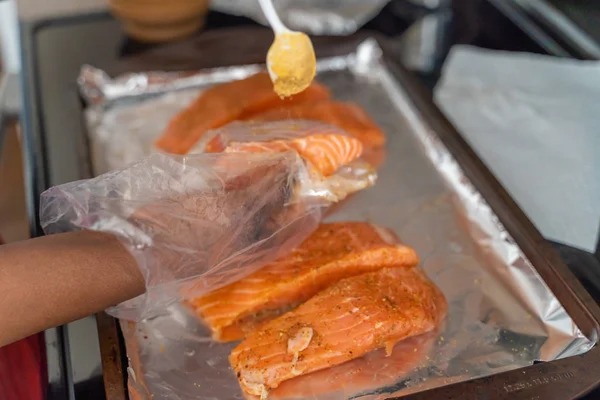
(160, 20)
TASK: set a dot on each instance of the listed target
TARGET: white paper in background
(535, 121)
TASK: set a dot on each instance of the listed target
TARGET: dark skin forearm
(52, 280)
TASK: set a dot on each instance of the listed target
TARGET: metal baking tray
(566, 378)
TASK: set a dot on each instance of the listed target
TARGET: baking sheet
(501, 314)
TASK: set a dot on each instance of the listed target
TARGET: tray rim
(574, 379)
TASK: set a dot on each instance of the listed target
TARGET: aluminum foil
(502, 316)
(332, 17)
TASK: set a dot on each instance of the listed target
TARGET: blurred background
(44, 43)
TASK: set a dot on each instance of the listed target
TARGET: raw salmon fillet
(345, 321)
(372, 371)
(228, 102)
(333, 252)
(326, 152)
(346, 116)
(137, 388)
(325, 147)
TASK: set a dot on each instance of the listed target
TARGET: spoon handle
(272, 17)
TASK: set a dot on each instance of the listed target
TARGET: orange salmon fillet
(333, 252)
(345, 321)
(349, 117)
(324, 147)
(372, 371)
(326, 152)
(138, 390)
(221, 104)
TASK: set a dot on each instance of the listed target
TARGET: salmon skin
(333, 252)
(325, 147)
(221, 104)
(345, 321)
(346, 116)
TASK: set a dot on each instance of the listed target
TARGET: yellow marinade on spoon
(292, 63)
(291, 60)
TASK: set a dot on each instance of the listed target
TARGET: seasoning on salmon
(333, 252)
(374, 370)
(325, 147)
(347, 320)
(346, 116)
(221, 104)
